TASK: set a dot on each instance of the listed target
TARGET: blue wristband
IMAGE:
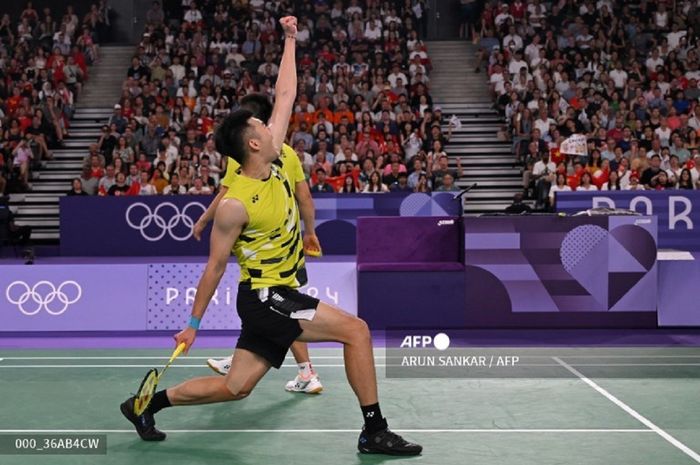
(194, 322)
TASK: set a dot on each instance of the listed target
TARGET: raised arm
(286, 86)
(229, 221)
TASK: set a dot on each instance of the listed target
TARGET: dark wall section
(123, 28)
(444, 17)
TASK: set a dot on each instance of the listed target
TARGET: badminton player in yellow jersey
(306, 380)
(258, 218)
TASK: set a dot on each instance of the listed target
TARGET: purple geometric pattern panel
(573, 264)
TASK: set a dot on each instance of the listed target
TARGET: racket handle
(313, 252)
(176, 353)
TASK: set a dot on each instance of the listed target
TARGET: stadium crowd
(364, 120)
(624, 74)
(44, 61)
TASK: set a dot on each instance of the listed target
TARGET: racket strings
(145, 393)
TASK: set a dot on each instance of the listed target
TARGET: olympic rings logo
(140, 217)
(42, 296)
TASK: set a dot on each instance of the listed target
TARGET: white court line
(629, 356)
(377, 365)
(633, 364)
(126, 357)
(327, 357)
(151, 366)
(311, 431)
(636, 415)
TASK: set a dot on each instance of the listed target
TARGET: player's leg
(306, 380)
(248, 369)
(332, 324)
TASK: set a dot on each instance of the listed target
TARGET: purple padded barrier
(408, 244)
(406, 266)
(563, 272)
(412, 266)
(678, 292)
(412, 299)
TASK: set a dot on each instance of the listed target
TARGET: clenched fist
(289, 25)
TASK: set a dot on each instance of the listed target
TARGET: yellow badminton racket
(150, 383)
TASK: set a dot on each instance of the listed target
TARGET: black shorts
(270, 319)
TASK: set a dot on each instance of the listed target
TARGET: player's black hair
(231, 137)
(259, 104)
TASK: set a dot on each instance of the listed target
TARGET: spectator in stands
(22, 159)
(685, 180)
(417, 171)
(174, 188)
(559, 186)
(423, 184)
(518, 207)
(119, 187)
(448, 184)
(651, 172)
(123, 151)
(392, 177)
(208, 180)
(440, 169)
(155, 15)
(661, 182)
(375, 184)
(199, 188)
(90, 180)
(586, 183)
(158, 180)
(613, 183)
(107, 181)
(543, 175)
(349, 186)
(634, 183)
(321, 186)
(117, 119)
(144, 186)
(76, 188)
(401, 185)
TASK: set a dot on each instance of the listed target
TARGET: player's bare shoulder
(231, 213)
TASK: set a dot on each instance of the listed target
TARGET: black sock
(374, 421)
(159, 402)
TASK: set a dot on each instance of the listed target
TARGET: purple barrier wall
(678, 211)
(561, 271)
(73, 297)
(537, 271)
(161, 226)
(410, 272)
(172, 286)
(678, 292)
(138, 297)
(418, 244)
